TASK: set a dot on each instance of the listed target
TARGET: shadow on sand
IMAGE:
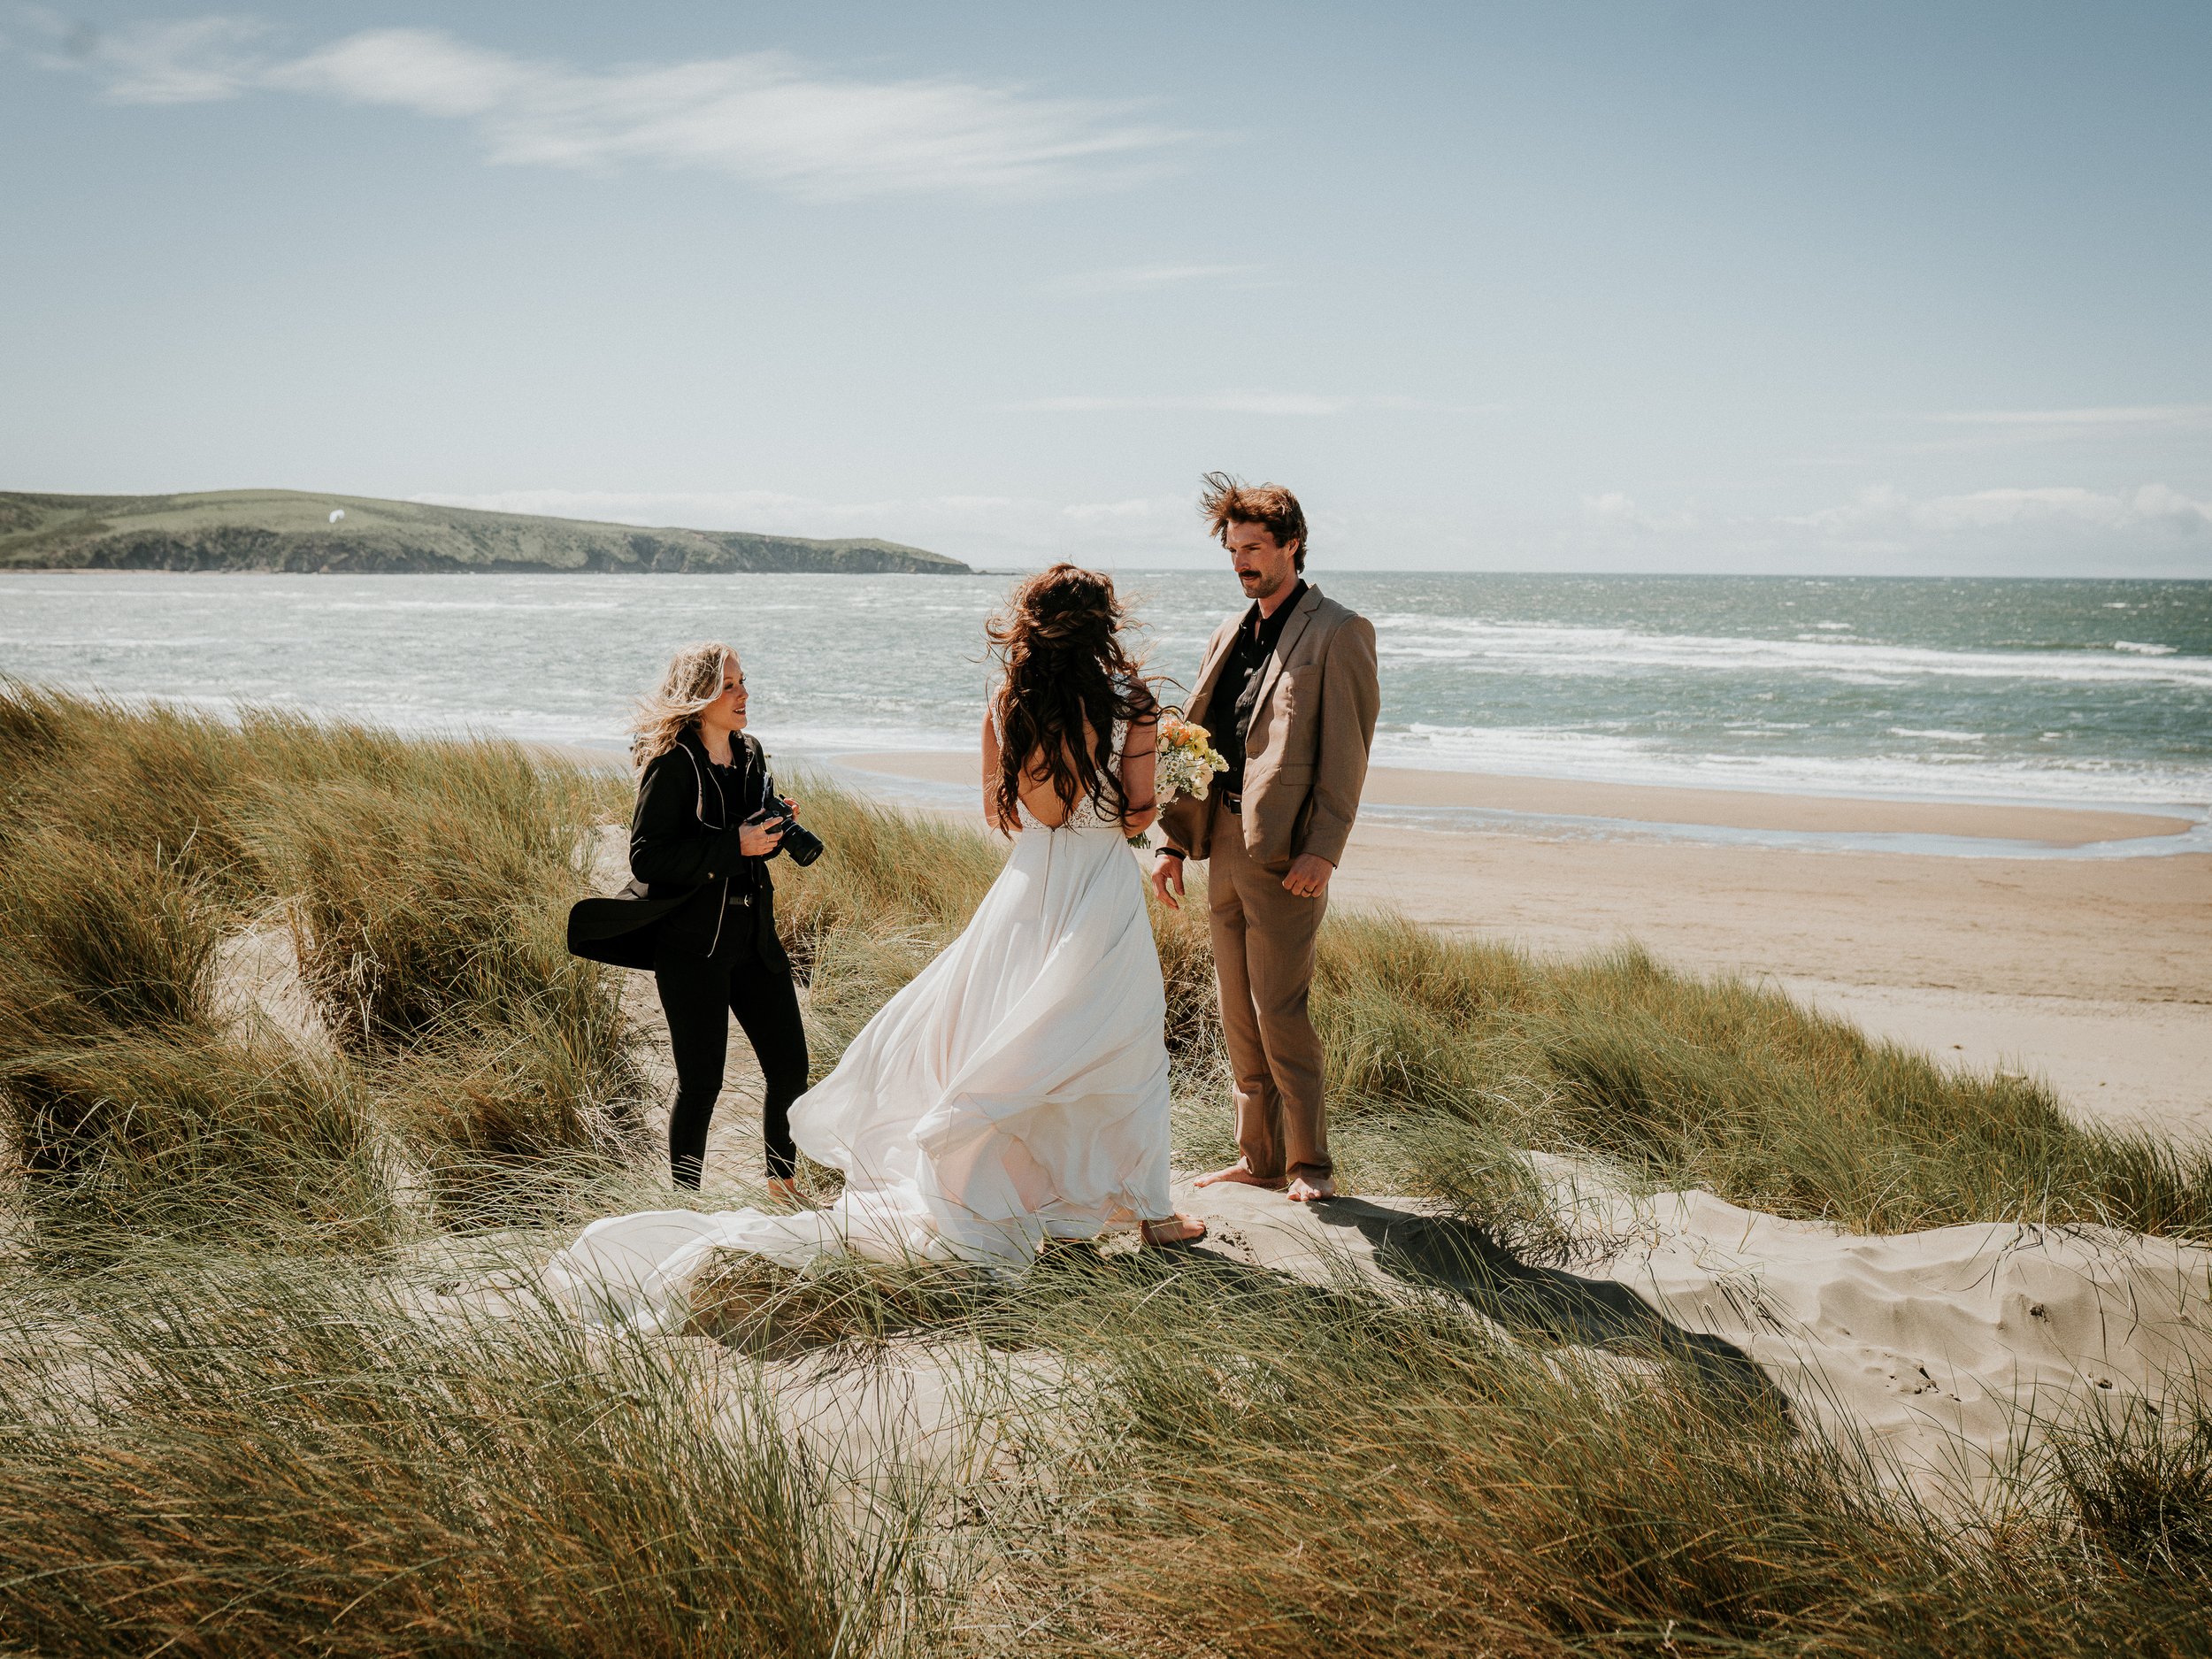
(1447, 1254)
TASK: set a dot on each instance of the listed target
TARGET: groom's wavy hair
(1228, 500)
(1068, 674)
(693, 679)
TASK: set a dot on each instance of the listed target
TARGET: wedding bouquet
(1187, 758)
(1185, 763)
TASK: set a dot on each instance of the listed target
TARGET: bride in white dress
(1017, 1089)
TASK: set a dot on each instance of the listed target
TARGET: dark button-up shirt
(1238, 690)
(742, 794)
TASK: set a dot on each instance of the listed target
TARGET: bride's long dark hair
(1068, 675)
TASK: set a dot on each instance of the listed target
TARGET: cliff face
(290, 530)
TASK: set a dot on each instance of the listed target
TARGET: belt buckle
(1233, 799)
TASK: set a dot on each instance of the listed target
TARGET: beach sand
(2095, 973)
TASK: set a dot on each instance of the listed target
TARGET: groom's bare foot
(1240, 1174)
(1306, 1190)
(786, 1191)
(1176, 1229)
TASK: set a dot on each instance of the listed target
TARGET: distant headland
(298, 531)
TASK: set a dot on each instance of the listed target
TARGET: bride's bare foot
(1240, 1174)
(1176, 1229)
(1305, 1189)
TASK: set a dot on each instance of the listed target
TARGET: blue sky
(1669, 286)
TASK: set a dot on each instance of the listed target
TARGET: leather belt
(1233, 799)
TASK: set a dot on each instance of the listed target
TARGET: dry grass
(222, 1435)
(424, 883)
(1715, 1083)
(1266, 1470)
(267, 1461)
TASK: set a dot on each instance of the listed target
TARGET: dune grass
(134, 1108)
(424, 884)
(1681, 1080)
(234, 1458)
(260, 1423)
(426, 906)
(1392, 1480)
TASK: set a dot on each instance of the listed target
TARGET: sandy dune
(1944, 1354)
(1942, 1359)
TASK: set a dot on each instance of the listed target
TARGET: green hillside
(291, 530)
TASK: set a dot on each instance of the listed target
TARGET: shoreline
(1656, 804)
(2094, 972)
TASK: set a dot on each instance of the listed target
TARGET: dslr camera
(802, 844)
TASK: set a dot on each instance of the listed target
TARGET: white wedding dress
(1017, 1088)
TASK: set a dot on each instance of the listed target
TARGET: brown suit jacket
(1305, 756)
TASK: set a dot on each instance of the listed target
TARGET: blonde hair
(693, 679)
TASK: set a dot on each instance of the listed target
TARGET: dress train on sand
(1017, 1088)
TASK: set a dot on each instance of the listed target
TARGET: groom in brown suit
(1288, 692)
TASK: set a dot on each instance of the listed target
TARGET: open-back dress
(1015, 1088)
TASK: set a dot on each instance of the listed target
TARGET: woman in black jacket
(699, 912)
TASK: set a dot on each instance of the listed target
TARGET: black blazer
(686, 866)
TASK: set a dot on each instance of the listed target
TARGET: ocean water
(2051, 692)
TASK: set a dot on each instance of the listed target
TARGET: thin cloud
(1139, 279)
(1306, 403)
(1309, 404)
(190, 60)
(763, 117)
(1137, 507)
(2120, 415)
(1881, 508)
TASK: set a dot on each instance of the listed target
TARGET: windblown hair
(1068, 677)
(693, 679)
(1228, 500)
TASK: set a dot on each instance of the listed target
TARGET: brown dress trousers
(1305, 762)
(1263, 940)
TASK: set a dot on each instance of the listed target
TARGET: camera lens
(801, 845)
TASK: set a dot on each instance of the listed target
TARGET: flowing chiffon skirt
(1017, 1088)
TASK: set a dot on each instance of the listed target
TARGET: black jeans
(699, 994)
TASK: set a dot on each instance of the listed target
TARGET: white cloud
(192, 60)
(1139, 279)
(763, 117)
